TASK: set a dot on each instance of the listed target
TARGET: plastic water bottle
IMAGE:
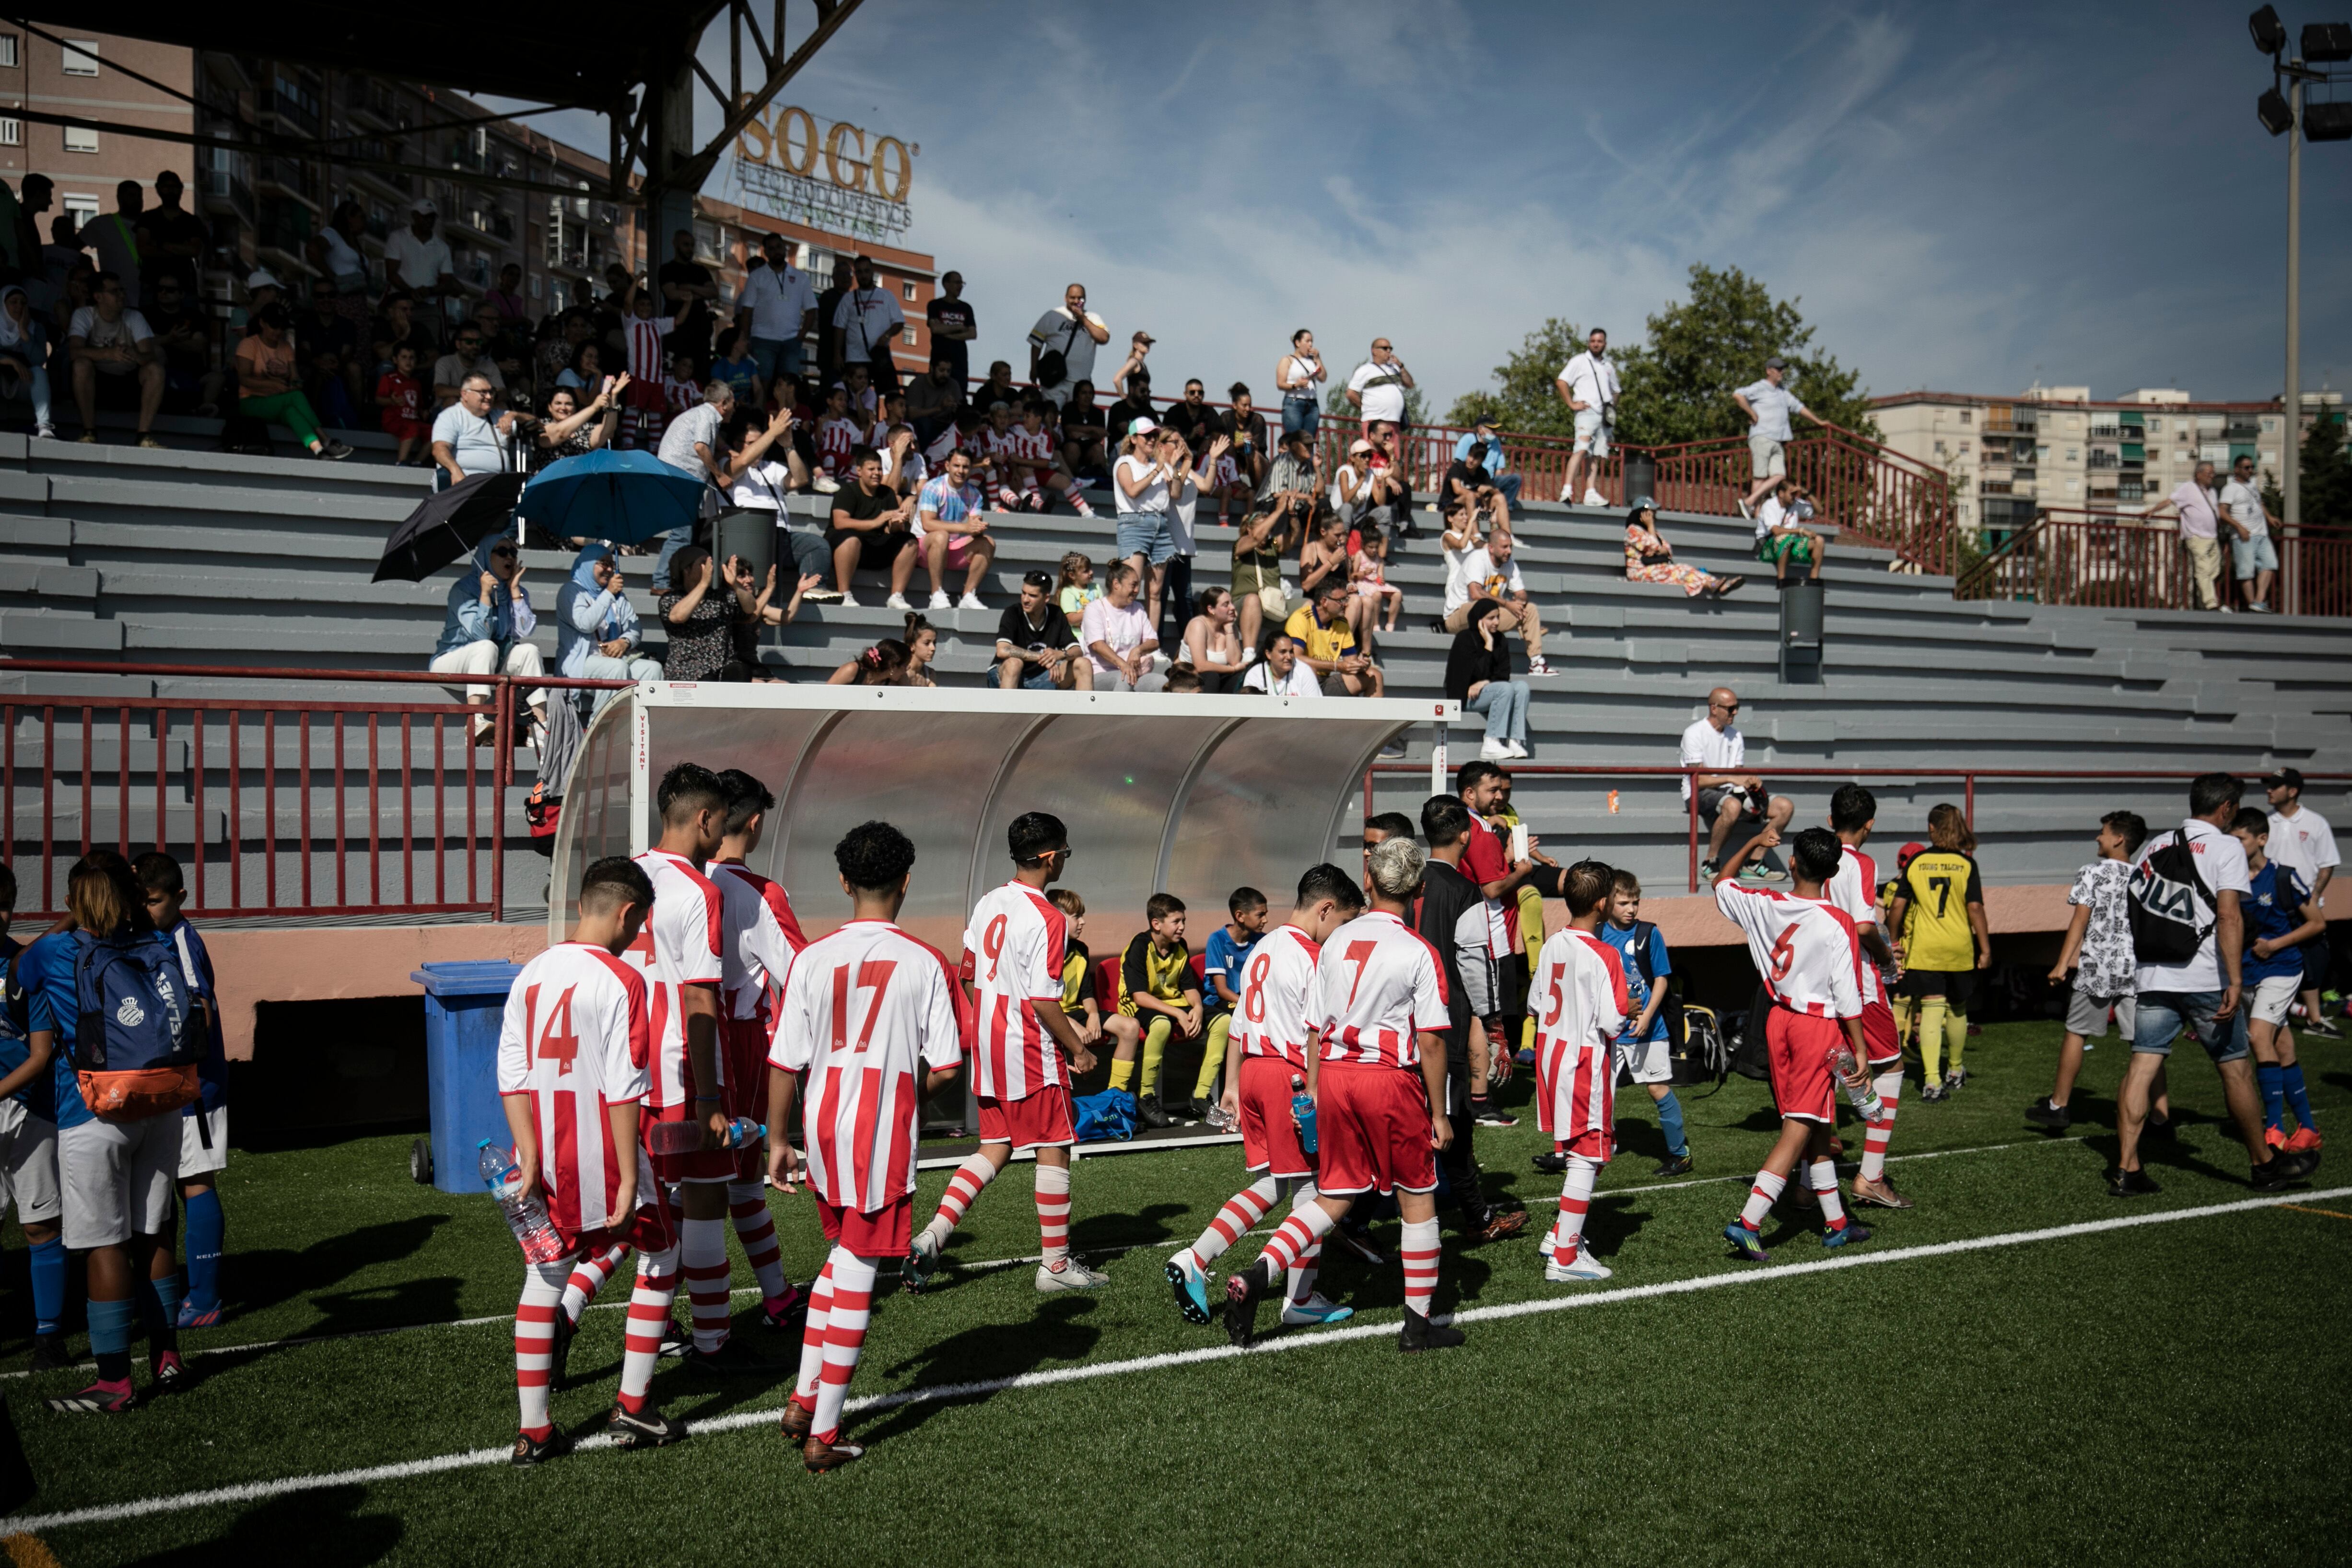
(526, 1216)
(1302, 1110)
(686, 1137)
(1859, 1092)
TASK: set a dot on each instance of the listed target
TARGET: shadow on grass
(330, 1530)
(267, 1278)
(986, 1354)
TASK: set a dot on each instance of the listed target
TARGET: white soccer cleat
(1581, 1269)
(1545, 1247)
(1072, 1275)
(939, 600)
(898, 602)
(970, 602)
(1315, 1311)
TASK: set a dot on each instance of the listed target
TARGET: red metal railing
(275, 805)
(2118, 560)
(1967, 778)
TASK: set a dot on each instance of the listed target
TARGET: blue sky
(1965, 198)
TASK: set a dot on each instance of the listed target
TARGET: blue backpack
(1108, 1115)
(138, 1035)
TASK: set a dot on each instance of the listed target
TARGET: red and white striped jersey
(1012, 954)
(1580, 1005)
(761, 937)
(1038, 445)
(1804, 947)
(1275, 983)
(647, 362)
(1378, 987)
(679, 945)
(1854, 889)
(677, 396)
(1000, 445)
(576, 1041)
(834, 437)
(867, 1011)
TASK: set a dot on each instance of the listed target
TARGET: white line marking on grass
(254, 1491)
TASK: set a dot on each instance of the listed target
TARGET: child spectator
(837, 435)
(737, 367)
(28, 1150)
(403, 399)
(1369, 576)
(2098, 955)
(1644, 1045)
(679, 391)
(1945, 943)
(1227, 953)
(1079, 1002)
(204, 1129)
(2279, 916)
(1076, 587)
(646, 403)
(1157, 993)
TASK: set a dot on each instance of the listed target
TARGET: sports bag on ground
(1108, 1115)
(138, 1031)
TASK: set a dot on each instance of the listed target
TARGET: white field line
(255, 1491)
(991, 1264)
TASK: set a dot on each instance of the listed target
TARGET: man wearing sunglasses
(466, 358)
(1725, 793)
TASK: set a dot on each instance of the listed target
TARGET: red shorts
(743, 1057)
(1371, 1132)
(703, 1164)
(886, 1232)
(401, 429)
(1800, 1045)
(1039, 1120)
(1269, 1138)
(1576, 1097)
(651, 1228)
(1878, 1036)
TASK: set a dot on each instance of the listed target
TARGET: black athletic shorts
(876, 547)
(1958, 987)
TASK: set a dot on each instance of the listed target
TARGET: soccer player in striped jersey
(761, 938)
(836, 434)
(873, 1017)
(1040, 456)
(576, 1040)
(1805, 948)
(1271, 1045)
(1377, 1005)
(1012, 952)
(1854, 812)
(1580, 1002)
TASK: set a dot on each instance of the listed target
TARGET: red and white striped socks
(969, 1177)
(1575, 1201)
(1877, 1134)
(1419, 1253)
(588, 1277)
(649, 1305)
(755, 1228)
(702, 1251)
(543, 1292)
(820, 1314)
(1240, 1216)
(1303, 1272)
(845, 1337)
(1760, 1199)
(1823, 1173)
(1297, 1238)
(1053, 1213)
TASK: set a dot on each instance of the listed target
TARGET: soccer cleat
(1850, 1234)
(1582, 1269)
(939, 600)
(169, 1374)
(1878, 1194)
(1148, 1111)
(1955, 1077)
(1935, 1091)
(2305, 1141)
(646, 1429)
(1243, 1293)
(1201, 1109)
(2123, 1184)
(731, 1358)
(2274, 1136)
(1526, 1058)
(798, 1421)
(1492, 1225)
(788, 1313)
(821, 1457)
(100, 1398)
(2278, 1171)
(1420, 1334)
(191, 1318)
(50, 1352)
(1315, 1312)
(2049, 1114)
(1191, 1292)
(1072, 1275)
(675, 1341)
(923, 1261)
(528, 1450)
(1673, 1165)
(2304, 1162)
(1750, 1246)
(1551, 1165)
(1495, 1116)
(2322, 1029)
(1354, 1237)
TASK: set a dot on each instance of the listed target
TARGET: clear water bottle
(1302, 1110)
(1859, 1093)
(686, 1137)
(526, 1216)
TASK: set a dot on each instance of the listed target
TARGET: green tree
(2326, 490)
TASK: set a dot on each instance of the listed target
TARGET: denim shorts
(1145, 534)
(2163, 1015)
(2248, 556)
(1301, 414)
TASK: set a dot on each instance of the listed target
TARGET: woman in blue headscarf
(488, 626)
(596, 634)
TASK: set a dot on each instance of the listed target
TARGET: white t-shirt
(415, 263)
(2306, 843)
(1124, 629)
(1055, 330)
(1591, 382)
(763, 486)
(127, 331)
(1713, 750)
(473, 440)
(1300, 682)
(1773, 405)
(2245, 504)
(867, 317)
(1381, 387)
(1480, 578)
(1153, 497)
(1769, 514)
(2222, 863)
(778, 298)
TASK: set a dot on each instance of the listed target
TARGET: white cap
(261, 278)
(423, 204)
(1141, 427)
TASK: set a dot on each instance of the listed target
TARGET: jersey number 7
(1359, 954)
(1943, 886)
(874, 976)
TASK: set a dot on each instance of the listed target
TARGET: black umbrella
(447, 527)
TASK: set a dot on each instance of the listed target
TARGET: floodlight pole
(2291, 455)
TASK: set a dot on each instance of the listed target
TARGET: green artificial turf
(2157, 1394)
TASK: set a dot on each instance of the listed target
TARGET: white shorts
(118, 1179)
(1591, 434)
(195, 1160)
(28, 1164)
(1645, 1061)
(2273, 998)
(1765, 458)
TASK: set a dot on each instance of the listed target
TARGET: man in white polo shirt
(776, 299)
(1714, 745)
(1767, 404)
(1588, 384)
(2302, 840)
(1378, 389)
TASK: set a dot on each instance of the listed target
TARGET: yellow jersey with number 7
(1941, 884)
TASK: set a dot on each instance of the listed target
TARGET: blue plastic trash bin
(464, 1003)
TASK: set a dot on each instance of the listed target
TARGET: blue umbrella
(626, 497)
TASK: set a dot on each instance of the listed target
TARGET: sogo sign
(792, 144)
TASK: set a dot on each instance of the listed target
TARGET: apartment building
(95, 74)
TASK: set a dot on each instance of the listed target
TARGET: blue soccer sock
(159, 1304)
(2266, 1074)
(1670, 1122)
(48, 1265)
(109, 1337)
(208, 1235)
(2291, 1085)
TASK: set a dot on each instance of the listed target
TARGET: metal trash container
(1640, 476)
(465, 1003)
(1800, 633)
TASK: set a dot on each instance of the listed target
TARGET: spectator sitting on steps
(1725, 793)
(466, 441)
(1478, 677)
(1650, 558)
(488, 628)
(265, 384)
(1036, 649)
(1328, 644)
(115, 359)
(596, 632)
(1489, 573)
(1781, 536)
(871, 529)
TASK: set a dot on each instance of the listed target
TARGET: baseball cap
(1141, 426)
(2283, 778)
(1909, 852)
(1144, 338)
(1776, 363)
(1361, 445)
(260, 278)
(1644, 503)
(423, 204)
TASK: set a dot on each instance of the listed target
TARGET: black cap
(1776, 363)
(2283, 778)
